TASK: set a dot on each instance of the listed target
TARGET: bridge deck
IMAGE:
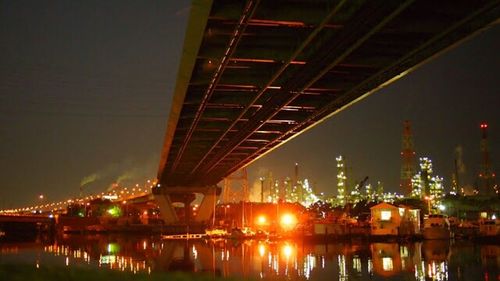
(254, 74)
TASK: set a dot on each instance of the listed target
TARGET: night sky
(85, 90)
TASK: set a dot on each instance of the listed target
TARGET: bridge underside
(253, 74)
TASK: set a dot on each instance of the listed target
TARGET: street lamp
(225, 212)
(261, 189)
(126, 207)
(41, 197)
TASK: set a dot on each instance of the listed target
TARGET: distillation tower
(408, 166)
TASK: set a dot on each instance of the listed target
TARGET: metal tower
(298, 184)
(408, 166)
(341, 181)
(272, 190)
(486, 177)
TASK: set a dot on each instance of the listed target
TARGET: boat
(437, 226)
(466, 230)
(261, 235)
(184, 236)
(489, 228)
(242, 233)
(216, 233)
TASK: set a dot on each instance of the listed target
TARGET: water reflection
(428, 260)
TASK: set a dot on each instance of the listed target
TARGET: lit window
(403, 251)
(387, 264)
(385, 215)
(414, 213)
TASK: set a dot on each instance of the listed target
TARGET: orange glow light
(262, 250)
(261, 220)
(287, 251)
(288, 221)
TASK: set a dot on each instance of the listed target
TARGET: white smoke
(89, 179)
(254, 192)
(127, 172)
(459, 158)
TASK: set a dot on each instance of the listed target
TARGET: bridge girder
(256, 73)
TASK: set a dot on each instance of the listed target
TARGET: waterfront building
(390, 220)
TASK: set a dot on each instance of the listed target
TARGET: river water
(286, 260)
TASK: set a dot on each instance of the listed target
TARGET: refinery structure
(421, 183)
(288, 204)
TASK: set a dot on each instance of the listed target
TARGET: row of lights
(57, 206)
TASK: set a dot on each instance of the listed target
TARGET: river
(284, 260)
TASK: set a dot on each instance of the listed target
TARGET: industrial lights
(288, 221)
(287, 251)
(261, 220)
(262, 250)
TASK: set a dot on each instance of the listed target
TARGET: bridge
(254, 74)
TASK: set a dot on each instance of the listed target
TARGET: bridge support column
(207, 206)
(166, 208)
(187, 211)
(165, 196)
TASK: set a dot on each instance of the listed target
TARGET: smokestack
(486, 177)
(408, 165)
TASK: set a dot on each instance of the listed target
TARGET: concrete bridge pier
(166, 208)
(166, 196)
